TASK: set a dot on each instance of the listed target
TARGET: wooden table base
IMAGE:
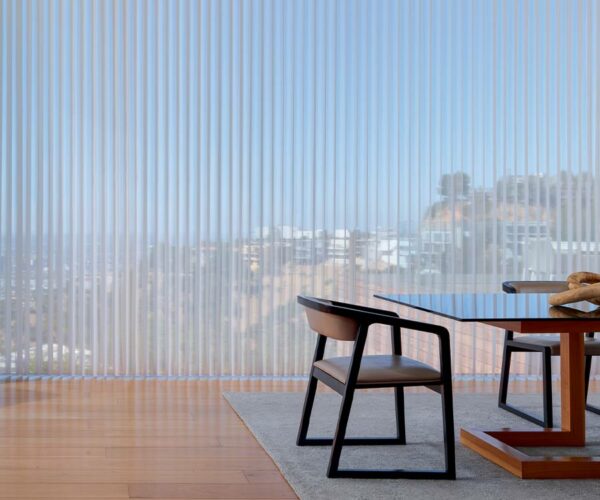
(500, 446)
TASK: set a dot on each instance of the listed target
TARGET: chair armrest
(534, 286)
(383, 312)
(441, 332)
(419, 326)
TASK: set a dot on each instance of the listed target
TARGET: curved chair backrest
(330, 320)
(534, 286)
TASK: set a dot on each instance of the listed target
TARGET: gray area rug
(273, 419)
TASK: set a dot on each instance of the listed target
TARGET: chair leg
(503, 392)
(449, 445)
(588, 370)
(309, 400)
(504, 373)
(339, 441)
(340, 433)
(547, 381)
(400, 420)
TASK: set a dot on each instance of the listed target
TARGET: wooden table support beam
(500, 446)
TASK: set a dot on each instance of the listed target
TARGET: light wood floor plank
(188, 452)
(63, 491)
(146, 463)
(123, 476)
(254, 491)
(50, 452)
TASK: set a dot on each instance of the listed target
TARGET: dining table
(528, 313)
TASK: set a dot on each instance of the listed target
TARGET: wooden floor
(139, 439)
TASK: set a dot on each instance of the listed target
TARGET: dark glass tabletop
(490, 307)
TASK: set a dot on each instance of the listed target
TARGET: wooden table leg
(572, 387)
(500, 446)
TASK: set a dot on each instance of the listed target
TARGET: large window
(173, 173)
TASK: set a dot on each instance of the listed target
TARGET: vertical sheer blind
(173, 173)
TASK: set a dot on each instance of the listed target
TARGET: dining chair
(548, 346)
(351, 323)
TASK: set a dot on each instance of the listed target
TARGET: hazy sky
(231, 115)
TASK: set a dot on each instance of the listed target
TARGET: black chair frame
(512, 344)
(366, 317)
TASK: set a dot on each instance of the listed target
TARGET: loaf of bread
(582, 286)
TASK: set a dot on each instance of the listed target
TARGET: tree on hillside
(455, 186)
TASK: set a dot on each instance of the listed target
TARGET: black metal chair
(548, 346)
(344, 375)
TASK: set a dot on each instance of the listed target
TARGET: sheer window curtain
(174, 173)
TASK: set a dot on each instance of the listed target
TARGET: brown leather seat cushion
(592, 346)
(381, 369)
